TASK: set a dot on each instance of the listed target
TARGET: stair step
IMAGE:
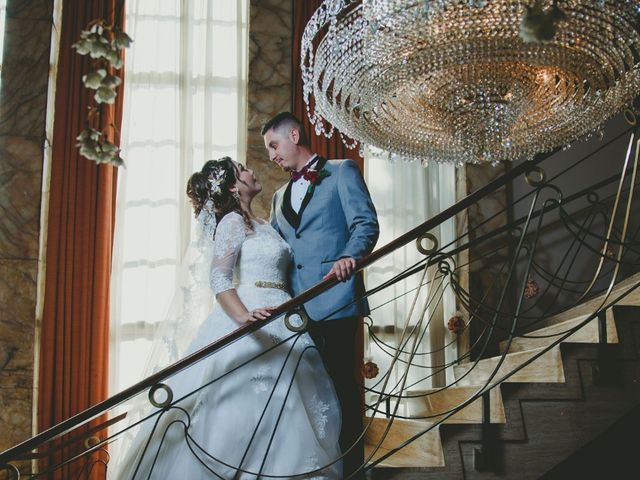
(546, 368)
(590, 306)
(425, 403)
(426, 451)
(587, 334)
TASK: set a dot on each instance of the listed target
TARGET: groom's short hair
(286, 120)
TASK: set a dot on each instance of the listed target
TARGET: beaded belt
(278, 285)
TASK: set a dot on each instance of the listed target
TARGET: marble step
(435, 403)
(426, 451)
(546, 368)
(587, 334)
(590, 306)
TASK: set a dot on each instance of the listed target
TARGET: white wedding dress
(275, 415)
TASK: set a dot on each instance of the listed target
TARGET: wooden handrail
(75, 439)
(101, 407)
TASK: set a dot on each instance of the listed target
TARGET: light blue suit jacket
(336, 220)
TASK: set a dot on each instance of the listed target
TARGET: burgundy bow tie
(296, 175)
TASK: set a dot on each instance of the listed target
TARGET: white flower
(122, 40)
(94, 147)
(111, 81)
(94, 79)
(113, 57)
(103, 43)
(95, 42)
(82, 46)
(105, 95)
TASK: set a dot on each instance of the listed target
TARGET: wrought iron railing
(521, 286)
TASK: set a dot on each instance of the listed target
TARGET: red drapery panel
(75, 326)
(333, 147)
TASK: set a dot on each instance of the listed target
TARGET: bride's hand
(255, 315)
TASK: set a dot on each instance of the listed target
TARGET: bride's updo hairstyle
(209, 189)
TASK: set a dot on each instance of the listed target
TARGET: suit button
(299, 266)
(297, 235)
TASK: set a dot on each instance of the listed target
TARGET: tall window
(185, 103)
(406, 194)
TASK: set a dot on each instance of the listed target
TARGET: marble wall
(23, 100)
(269, 91)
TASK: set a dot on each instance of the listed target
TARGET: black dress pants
(336, 342)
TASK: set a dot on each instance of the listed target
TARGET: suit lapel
(287, 210)
(307, 198)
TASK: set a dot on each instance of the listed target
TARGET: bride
(263, 407)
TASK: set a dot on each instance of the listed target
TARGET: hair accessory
(215, 181)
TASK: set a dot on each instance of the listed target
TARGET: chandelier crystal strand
(452, 80)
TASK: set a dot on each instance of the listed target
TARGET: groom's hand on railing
(343, 269)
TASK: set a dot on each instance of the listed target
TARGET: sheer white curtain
(185, 103)
(406, 194)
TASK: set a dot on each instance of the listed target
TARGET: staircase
(556, 401)
(542, 416)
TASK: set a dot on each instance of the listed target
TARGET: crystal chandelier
(454, 80)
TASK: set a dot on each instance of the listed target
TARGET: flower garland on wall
(103, 43)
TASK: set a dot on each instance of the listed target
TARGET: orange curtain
(75, 325)
(333, 147)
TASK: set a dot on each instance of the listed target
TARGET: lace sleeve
(228, 240)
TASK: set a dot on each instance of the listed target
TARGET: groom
(325, 213)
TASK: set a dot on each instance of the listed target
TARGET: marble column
(269, 90)
(23, 101)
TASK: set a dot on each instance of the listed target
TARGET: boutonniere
(315, 177)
